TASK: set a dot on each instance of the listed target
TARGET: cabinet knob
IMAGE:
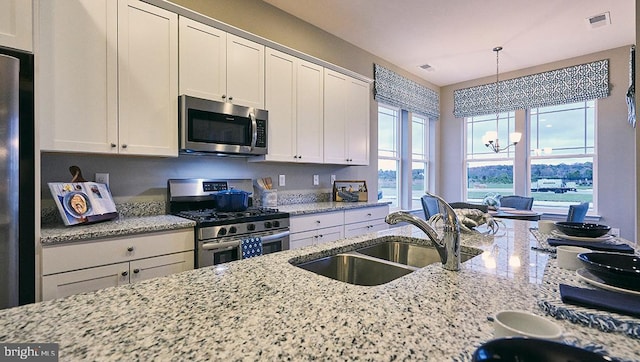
(230, 98)
(125, 273)
(295, 156)
(124, 146)
(317, 221)
(113, 145)
(224, 96)
(136, 271)
(369, 214)
(300, 156)
(130, 249)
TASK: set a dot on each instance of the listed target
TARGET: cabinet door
(16, 21)
(309, 112)
(300, 240)
(203, 60)
(357, 122)
(330, 234)
(335, 110)
(147, 79)
(364, 227)
(280, 100)
(245, 72)
(346, 119)
(160, 266)
(85, 280)
(76, 41)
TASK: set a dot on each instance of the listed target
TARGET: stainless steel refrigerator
(17, 245)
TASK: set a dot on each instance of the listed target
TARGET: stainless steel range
(219, 234)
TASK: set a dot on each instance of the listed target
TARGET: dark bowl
(582, 229)
(532, 350)
(621, 270)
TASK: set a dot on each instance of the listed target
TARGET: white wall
(615, 142)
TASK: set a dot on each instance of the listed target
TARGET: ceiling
(456, 37)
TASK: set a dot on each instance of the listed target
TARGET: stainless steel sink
(405, 253)
(356, 269)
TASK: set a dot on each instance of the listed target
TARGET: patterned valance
(395, 90)
(560, 86)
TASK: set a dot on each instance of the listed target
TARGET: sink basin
(356, 269)
(408, 254)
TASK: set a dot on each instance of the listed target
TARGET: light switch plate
(281, 180)
(102, 178)
(316, 180)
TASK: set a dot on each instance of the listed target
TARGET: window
(419, 159)
(487, 171)
(562, 143)
(402, 168)
(558, 170)
(389, 154)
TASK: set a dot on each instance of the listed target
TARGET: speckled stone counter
(56, 234)
(316, 207)
(265, 308)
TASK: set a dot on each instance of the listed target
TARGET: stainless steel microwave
(208, 126)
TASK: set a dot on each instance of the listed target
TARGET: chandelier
(490, 138)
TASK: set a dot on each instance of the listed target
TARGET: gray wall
(615, 142)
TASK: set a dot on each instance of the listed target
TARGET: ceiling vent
(426, 67)
(600, 20)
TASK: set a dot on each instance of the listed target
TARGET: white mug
(546, 226)
(509, 323)
(567, 256)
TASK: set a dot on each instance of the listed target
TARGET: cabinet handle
(125, 273)
(130, 249)
(113, 145)
(136, 271)
(124, 146)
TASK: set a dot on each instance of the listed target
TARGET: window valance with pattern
(567, 85)
(395, 90)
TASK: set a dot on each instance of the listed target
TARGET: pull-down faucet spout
(448, 246)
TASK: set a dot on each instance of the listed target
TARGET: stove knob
(251, 227)
(233, 230)
(222, 232)
(276, 224)
(267, 224)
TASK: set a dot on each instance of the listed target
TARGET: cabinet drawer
(81, 281)
(316, 221)
(160, 266)
(366, 214)
(360, 228)
(80, 255)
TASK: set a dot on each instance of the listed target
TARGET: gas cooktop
(212, 217)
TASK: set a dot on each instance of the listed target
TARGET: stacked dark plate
(582, 229)
(621, 270)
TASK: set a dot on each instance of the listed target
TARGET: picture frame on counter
(350, 191)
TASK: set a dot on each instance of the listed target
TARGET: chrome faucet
(448, 246)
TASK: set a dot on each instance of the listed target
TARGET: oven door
(275, 242)
(214, 253)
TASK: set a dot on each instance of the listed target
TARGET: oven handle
(220, 246)
(269, 238)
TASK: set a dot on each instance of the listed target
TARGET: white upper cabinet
(107, 77)
(203, 60)
(294, 101)
(16, 22)
(77, 75)
(220, 66)
(147, 79)
(346, 119)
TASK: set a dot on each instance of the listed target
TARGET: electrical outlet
(333, 179)
(281, 180)
(316, 180)
(102, 178)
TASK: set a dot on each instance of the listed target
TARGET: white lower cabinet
(88, 266)
(321, 228)
(315, 229)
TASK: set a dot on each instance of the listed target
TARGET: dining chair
(429, 205)
(467, 205)
(578, 212)
(517, 202)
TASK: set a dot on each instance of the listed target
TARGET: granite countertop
(53, 234)
(57, 234)
(264, 308)
(328, 206)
